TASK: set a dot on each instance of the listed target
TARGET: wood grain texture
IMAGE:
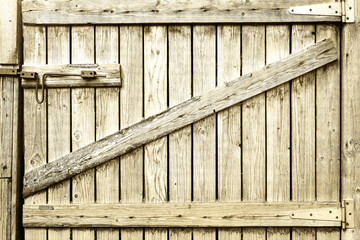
(59, 124)
(131, 112)
(303, 129)
(229, 123)
(253, 138)
(108, 75)
(5, 213)
(107, 122)
(83, 121)
(182, 215)
(278, 128)
(180, 145)
(6, 127)
(328, 129)
(10, 24)
(155, 97)
(35, 151)
(350, 125)
(140, 12)
(204, 131)
(180, 116)
(17, 163)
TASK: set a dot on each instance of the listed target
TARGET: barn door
(275, 154)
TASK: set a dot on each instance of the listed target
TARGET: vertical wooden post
(131, 111)
(204, 131)
(253, 126)
(350, 125)
(10, 170)
(229, 123)
(180, 141)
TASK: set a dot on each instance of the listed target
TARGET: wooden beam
(145, 12)
(184, 215)
(179, 116)
(350, 119)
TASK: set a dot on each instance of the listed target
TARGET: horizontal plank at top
(107, 75)
(140, 12)
(183, 215)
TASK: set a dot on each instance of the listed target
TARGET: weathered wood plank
(180, 142)
(303, 129)
(179, 116)
(328, 129)
(155, 100)
(35, 131)
(5, 213)
(59, 124)
(350, 119)
(278, 128)
(181, 215)
(107, 122)
(140, 12)
(131, 112)
(204, 131)
(229, 123)
(6, 127)
(10, 25)
(253, 128)
(108, 75)
(83, 121)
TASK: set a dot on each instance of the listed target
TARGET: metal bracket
(318, 214)
(28, 75)
(343, 9)
(348, 216)
(88, 74)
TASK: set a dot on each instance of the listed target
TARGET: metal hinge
(344, 215)
(344, 9)
(323, 214)
(347, 214)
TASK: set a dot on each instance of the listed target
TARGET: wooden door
(279, 146)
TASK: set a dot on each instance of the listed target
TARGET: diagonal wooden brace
(180, 116)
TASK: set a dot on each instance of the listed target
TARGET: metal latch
(33, 75)
(344, 9)
(347, 214)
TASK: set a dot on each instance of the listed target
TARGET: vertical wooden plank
(303, 129)
(107, 122)
(278, 128)
(9, 24)
(328, 129)
(204, 131)
(229, 123)
(155, 96)
(59, 124)
(6, 121)
(5, 195)
(180, 141)
(131, 111)
(83, 122)
(253, 113)
(350, 126)
(35, 151)
(17, 164)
